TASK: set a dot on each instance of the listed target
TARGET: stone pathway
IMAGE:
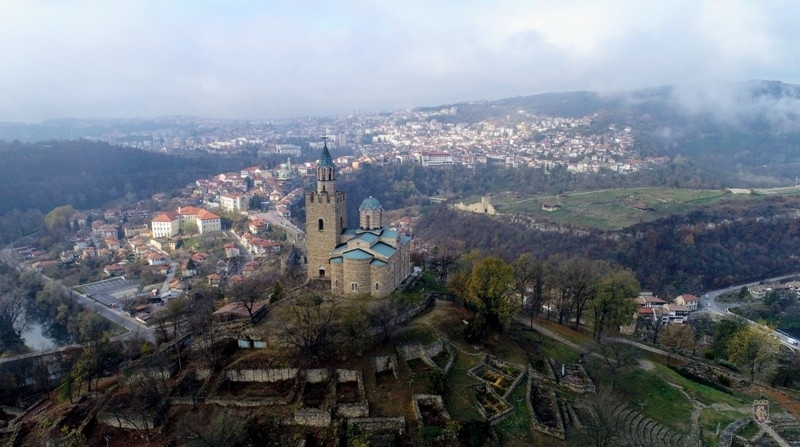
(694, 438)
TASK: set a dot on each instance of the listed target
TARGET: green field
(614, 209)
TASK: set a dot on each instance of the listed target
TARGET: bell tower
(326, 217)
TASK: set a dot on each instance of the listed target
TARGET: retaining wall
(261, 375)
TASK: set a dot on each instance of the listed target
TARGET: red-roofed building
(688, 300)
(649, 301)
(214, 280)
(169, 224)
(237, 311)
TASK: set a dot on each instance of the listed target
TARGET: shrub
(724, 380)
(702, 380)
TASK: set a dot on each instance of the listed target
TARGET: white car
(792, 341)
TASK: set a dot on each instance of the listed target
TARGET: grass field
(613, 209)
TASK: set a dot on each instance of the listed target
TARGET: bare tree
(530, 278)
(224, 430)
(677, 337)
(354, 331)
(308, 327)
(616, 358)
(604, 428)
(252, 293)
(147, 389)
(13, 319)
(386, 316)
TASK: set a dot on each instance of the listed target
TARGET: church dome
(370, 203)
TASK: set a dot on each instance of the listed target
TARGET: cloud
(85, 58)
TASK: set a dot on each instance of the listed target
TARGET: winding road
(709, 304)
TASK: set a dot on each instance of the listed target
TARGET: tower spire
(326, 170)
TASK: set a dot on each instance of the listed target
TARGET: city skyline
(246, 60)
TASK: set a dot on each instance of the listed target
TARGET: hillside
(389, 394)
(707, 247)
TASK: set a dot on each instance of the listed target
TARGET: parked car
(792, 341)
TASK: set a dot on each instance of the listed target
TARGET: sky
(279, 59)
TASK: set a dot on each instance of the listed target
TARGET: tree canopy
(490, 291)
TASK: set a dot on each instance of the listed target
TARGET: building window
(321, 273)
(377, 286)
(321, 225)
(354, 287)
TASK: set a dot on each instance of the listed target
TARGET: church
(367, 260)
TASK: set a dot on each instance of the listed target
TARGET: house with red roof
(690, 301)
(169, 224)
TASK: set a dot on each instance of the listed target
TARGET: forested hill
(701, 250)
(88, 175)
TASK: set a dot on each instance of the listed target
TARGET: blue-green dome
(325, 159)
(370, 203)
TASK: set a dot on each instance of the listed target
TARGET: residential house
(690, 301)
(237, 310)
(114, 270)
(187, 272)
(649, 301)
(231, 250)
(676, 313)
(156, 258)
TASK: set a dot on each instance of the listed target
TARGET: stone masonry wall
(261, 375)
(312, 417)
(320, 243)
(357, 271)
(382, 275)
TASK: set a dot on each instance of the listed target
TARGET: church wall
(381, 275)
(357, 271)
(337, 278)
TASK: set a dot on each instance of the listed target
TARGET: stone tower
(326, 217)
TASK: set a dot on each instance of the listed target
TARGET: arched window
(368, 227)
(377, 286)
(321, 225)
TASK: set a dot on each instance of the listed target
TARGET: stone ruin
(378, 431)
(573, 377)
(384, 365)
(498, 379)
(437, 356)
(351, 398)
(430, 411)
(544, 409)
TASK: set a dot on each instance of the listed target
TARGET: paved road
(273, 218)
(136, 329)
(709, 304)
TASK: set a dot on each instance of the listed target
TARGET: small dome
(370, 203)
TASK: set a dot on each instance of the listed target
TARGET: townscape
(391, 224)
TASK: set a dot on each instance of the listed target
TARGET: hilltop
(509, 390)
